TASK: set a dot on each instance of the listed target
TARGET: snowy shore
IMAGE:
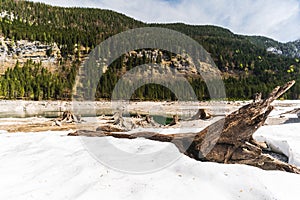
(51, 165)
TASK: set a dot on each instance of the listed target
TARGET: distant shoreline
(32, 108)
(23, 108)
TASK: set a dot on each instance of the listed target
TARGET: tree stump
(117, 124)
(201, 114)
(69, 117)
(175, 121)
(119, 120)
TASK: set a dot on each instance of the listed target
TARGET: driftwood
(110, 128)
(228, 140)
(146, 122)
(294, 111)
(116, 123)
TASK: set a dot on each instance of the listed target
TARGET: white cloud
(277, 19)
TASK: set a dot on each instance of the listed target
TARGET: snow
(284, 138)
(274, 50)
(51, 165)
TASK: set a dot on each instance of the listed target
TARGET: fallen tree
(228, 140)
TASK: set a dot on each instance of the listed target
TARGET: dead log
(56, 122)
(228, 140)
(294, 111)
(103, 117)
(110, 128)
(146, 122)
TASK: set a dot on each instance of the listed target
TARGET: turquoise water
(162, 119)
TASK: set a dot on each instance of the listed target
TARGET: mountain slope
(289, 49)
(244, 61)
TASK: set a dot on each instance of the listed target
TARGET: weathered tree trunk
(228, 140)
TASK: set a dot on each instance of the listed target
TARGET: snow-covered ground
(51, 165)
(284, 138)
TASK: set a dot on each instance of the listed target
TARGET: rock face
(23, 50)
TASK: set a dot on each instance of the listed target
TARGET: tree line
(34, 82)
(246, 67)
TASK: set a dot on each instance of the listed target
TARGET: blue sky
(278, 19)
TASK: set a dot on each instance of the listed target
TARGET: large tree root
(228, 140)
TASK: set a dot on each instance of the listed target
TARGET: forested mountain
(289, 49)
(249, 64)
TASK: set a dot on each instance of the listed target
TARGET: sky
(277, 19)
